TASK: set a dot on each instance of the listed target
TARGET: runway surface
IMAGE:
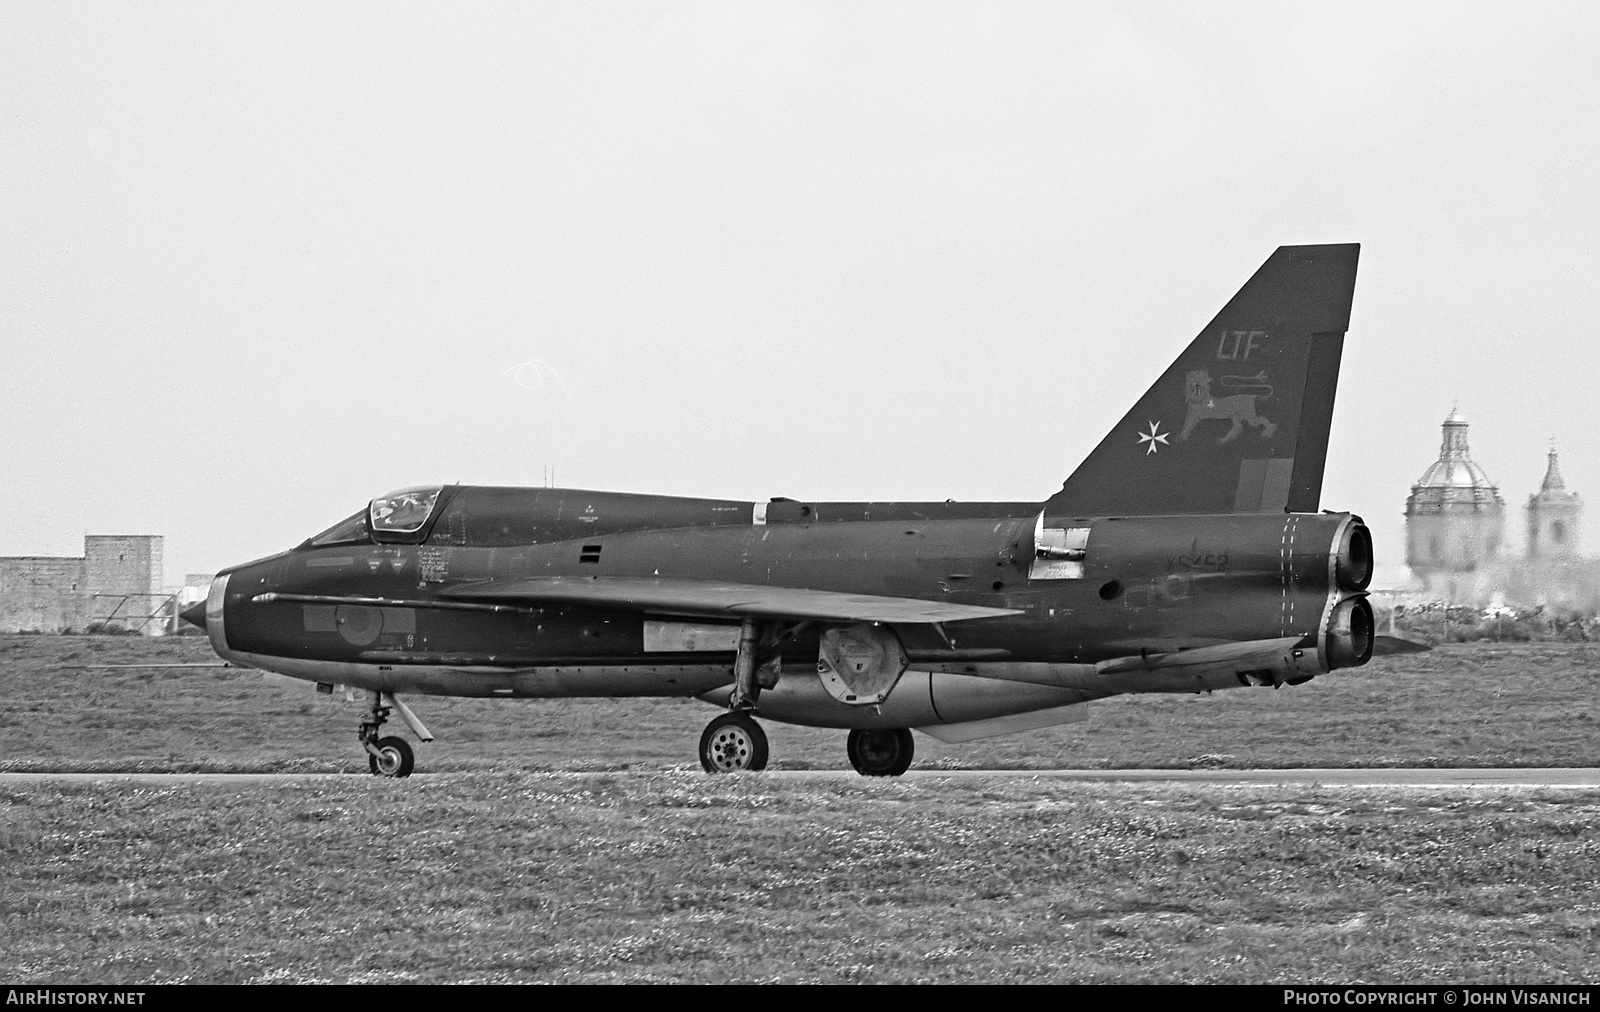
(1585, 778)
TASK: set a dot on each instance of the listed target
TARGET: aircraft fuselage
(391, 616)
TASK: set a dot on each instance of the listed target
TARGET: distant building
(1555, 518)
(196, 586)
(1455, 518)
(116, 585)
(1455, 526)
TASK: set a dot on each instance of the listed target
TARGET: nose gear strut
(391, 756)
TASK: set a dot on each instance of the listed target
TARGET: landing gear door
(1058, 552)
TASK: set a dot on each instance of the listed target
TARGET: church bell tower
(1554, 515)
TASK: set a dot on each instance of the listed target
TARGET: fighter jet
(1187, 553)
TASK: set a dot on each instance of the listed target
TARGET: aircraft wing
(668, 596)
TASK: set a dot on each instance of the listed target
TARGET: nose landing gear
(391, 756)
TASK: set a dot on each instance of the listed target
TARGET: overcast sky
(262, 262)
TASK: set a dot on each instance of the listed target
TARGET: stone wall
(117, 583)
(42, 594)
(123, 573)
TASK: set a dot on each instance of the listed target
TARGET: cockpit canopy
(403, 512)
(396, 517)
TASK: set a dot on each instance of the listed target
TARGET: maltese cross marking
(1154, 436)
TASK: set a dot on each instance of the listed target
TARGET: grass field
(517, 868)
(1532, 704)
(683, 877)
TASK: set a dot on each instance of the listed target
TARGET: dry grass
(1460, 705)
(684, 877)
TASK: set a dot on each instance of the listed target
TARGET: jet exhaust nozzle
(1350, 633)
(1352, 562)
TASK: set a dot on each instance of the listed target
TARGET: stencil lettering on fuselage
(431, 564)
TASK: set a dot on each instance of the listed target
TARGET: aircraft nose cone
(195, 614)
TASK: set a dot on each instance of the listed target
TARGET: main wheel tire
(397, 760)
(880, 753)
(733, 743)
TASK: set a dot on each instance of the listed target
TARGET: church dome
(1455, 479)
(1451, 475)
(1455, 518)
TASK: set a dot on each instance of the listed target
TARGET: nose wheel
(391, 756)
(733, 743)
(394, 758)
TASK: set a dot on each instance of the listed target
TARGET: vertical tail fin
(1239, 423)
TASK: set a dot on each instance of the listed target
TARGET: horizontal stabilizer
(1388, 646)
(664, 596)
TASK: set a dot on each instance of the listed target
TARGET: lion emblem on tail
(1238, 408)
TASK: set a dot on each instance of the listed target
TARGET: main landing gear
(881, 753)
(391, 756)
(733, 743)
